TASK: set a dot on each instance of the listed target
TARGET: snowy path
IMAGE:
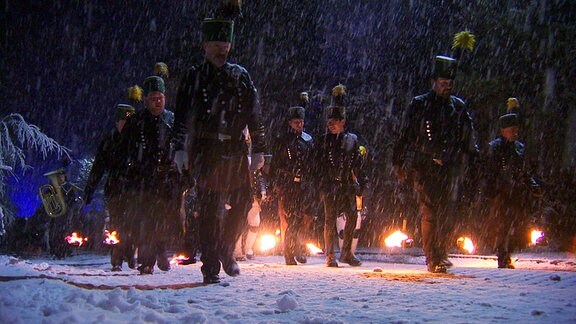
(82, 289)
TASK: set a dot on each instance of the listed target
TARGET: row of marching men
(144, 187)
(205, 140)
(155, 152)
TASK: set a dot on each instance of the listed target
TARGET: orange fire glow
(466, 244)
(74, 239)
(536, 236)
(314, 249)
(396, 239)
(111, 238)
(177, 259)
(267, 242)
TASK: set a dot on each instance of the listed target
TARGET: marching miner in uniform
(154, 186)
(216, 100)
(341, 177)
(432, 153)
(245, 247)
(361, 211)
(510, 187)
(108, 160)
(290, 169)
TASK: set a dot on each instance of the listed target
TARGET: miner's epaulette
(168, 117)
(520, 147)
(458, 101)
(420, 97)
(306, 137)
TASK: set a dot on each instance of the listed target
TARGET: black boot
(146, 269)
(211, 279)
(350, 258)
(331, 261)
(301, 254)
(346, 255)
(230, 266)
(505, 261)
(436, 267)
(162, 259)
(289, 259)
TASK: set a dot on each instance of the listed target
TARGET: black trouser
(222, 219)
(154, 221)
(508, 222)
(123, 250)
(59, 228)
(292, 201)
(341, 199)
(438, 195)
(191, 239)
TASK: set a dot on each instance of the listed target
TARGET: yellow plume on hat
(464, 40)
(135, 93)
(161, 70)
(512, 103)
(339, 90)
(304, 97)
(362, 150)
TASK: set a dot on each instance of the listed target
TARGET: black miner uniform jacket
(508, 174)
(435, 131)
(146, 139)
(108, 160)
(291, 159)
(338, 163)
(213, 107)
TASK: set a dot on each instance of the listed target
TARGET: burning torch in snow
(75, 239)
(465, 243)
(111, 238)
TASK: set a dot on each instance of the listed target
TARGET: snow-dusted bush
(16, 135)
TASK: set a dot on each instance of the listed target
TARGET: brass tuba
(52, 195)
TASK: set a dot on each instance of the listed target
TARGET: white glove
(181, 160)
(256, 161)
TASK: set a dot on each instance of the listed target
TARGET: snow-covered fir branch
(18, 134)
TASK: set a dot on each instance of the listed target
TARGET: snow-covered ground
(386, 288)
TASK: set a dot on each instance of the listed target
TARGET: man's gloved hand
(257, 161)
(181, 160)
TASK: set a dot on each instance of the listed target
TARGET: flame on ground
(74, 239)
(466, 244)
(178, 258)
(536, 236)
(395, 239)
(267, 242)
(314, 249)
(111, 238)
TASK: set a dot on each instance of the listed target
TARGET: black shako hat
(444, 67)
(337, 110)
(153, 83)
(508, 120)
(123, 111)
(296, 112)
